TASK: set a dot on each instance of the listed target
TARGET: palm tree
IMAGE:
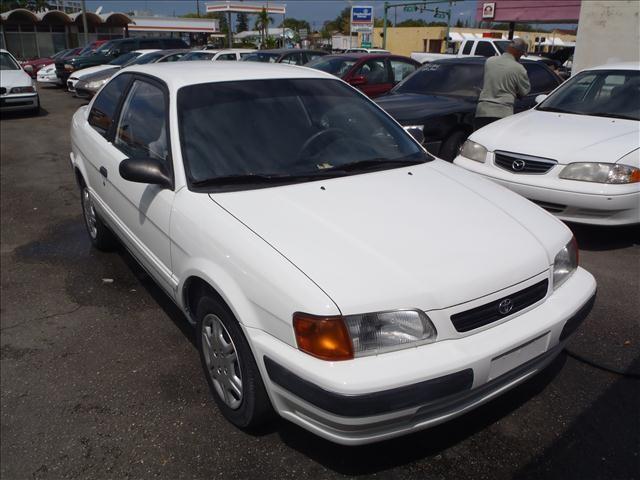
(262, 24)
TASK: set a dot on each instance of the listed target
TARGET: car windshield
(454, 79)
(337, 66)
(263, 57)
(198, 56)
(7, 62)
(285, 130)
(502, 45)
(104, 48)
(600, 93)
(59, 54)
(122, 59)
(146, 58)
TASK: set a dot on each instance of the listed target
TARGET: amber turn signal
(323, 337)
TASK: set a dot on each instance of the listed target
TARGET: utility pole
(84, 23)
(198, 8)
(384, 25)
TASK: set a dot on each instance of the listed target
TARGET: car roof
(473, 60)
(288, 50)
(177, 75)
(617, 66)
(359, 55)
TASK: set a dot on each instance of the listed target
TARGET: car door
(294, 58)
(400, 69)
(376, 76)
(95, 147)
(143, 211)
(541, 80)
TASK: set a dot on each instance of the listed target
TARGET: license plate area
(519, 355)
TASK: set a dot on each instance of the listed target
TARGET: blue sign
(361, 15)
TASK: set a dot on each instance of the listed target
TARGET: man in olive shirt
(505, 79)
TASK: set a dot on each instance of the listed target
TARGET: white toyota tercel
(577, 154)
(335, 271)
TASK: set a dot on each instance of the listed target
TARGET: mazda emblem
(518, 165)
(505, 306)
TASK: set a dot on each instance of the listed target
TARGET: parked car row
(335, 272)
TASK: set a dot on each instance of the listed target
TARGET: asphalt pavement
(100, 377)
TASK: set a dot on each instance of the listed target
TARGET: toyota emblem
(518, 165)
(505, 306)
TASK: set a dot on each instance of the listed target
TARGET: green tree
(379, 22)
(242, 22)
(295, 25)
(262, 24)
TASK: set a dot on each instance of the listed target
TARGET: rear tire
(451, 146)
(101, 237)
(229, 366)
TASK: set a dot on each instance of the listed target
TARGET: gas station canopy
(529, 11)
(231, 7)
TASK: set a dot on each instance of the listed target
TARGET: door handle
(103, 172)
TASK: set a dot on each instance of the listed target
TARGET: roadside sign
(303, 32)
(410, 8)
(362, 19)
(361, 15)
(365, 45)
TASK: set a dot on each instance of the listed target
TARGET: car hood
(430, 239)
(90, 71)
(15, 78)
(100, 74)
(563, 137)
(409, 107)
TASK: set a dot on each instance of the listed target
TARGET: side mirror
(540, 98)
(416, 133)
(357, 81)
(145, 170)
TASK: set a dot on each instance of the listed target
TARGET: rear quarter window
(106, 103)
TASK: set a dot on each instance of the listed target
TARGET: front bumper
(370, 399)
(15, 102)
(602, 205)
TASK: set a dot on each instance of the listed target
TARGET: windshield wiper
(556, 110)
(377, 163)
(611, 115)
(257, 178)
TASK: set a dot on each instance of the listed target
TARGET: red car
(373, 73)
(32, 66)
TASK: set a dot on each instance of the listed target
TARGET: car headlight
(565, 263)
(27, 68)
(68, 66)
(94, 85)
(29, 89)
(601, 173)
(346, 337)
(473, 151)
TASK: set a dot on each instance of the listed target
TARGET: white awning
(172, 24)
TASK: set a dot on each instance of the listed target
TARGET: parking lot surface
(101, 378)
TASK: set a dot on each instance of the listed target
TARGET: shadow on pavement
(611, 422)
(597, 238)
(23, 114)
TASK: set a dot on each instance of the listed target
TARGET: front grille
(550, 207)
(3, 90)
(485, 314)
(518, 163)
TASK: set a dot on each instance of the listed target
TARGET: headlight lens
(374, 333)
(68, 66)
(565, 263)
(27, 68)
(473, 151)
(601, 173)
(95, 85)
(23, 89)
(346, 337)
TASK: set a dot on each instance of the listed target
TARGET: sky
(314, 11)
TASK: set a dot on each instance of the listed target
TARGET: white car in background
(117, 62)
(229, 54)
(17, 89)
(48, 75)
(334, 270)
(576, 154)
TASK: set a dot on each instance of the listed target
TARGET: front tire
(101, 237)
(229, 366)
